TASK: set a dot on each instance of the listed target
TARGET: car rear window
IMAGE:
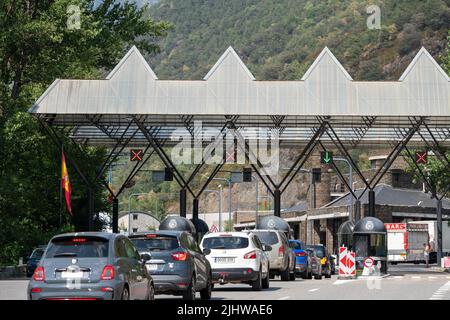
(225, 243)
(267, 237)
(297, 245)
(157, 243)
(37, 254)
(319, 251)
(79, 247)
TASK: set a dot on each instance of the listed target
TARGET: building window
(135, 229)
(373, 164)
(135, 216)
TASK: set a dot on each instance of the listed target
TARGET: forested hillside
(279, 39)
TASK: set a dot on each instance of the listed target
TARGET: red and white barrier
(347, 263)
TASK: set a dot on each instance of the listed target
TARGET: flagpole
(61, 191)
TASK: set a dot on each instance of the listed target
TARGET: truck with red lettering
(405, 242)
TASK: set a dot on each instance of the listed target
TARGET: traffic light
(168, 174)
(136, 154)
(162, 175)
(247, 175)
(316, 175)
(422, 157)
(326, 157)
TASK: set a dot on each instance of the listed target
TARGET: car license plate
(224, 260)
(72, 275)
(152, 267)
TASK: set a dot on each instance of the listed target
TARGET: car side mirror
(266, 247)
(145, 256)
(206, 251)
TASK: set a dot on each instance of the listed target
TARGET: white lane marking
(415, 277)
(398, 277)
(439, 294)
(338, 282)
(284, 298)
(431, 277)
(312, 290)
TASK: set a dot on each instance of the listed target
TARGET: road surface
(409, 282)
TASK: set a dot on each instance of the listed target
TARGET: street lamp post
(219, 193)
(228, 181)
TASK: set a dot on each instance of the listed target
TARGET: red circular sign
(369, 262)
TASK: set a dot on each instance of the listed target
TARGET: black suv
(177, 264)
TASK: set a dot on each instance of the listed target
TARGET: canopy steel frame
(278, 188)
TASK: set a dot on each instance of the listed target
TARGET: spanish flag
(65, 183)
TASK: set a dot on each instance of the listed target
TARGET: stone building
(317, 219)
(140, 221)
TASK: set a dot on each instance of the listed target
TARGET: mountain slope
(279, 39)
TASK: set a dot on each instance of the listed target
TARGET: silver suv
(281, 257)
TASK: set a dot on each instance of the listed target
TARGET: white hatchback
(237, 257)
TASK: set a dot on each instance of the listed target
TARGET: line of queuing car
(95, 265)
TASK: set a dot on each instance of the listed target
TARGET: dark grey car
(177, 265)
(91, 266)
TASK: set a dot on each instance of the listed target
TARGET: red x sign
(136, 154)
(230, 157)
(422, 157)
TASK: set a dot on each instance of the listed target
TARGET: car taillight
(108, 273)
(300, 254)
(180, 256)
(281, 251)
(250, 255)
(39, 274)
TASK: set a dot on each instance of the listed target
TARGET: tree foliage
(278, 40)
(38, 44)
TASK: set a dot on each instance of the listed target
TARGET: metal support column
(371, 203)
(357, 210)
(277, 202)
(439, 231)
(183, 206)
(195, 210)
(115, 215)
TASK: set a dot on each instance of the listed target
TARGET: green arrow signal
(327, 157)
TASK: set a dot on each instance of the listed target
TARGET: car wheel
(266, 282)
(292, 275)
(285, 274)
(257, 284)
(151, 293)
(305, 275)
(189, 294)
(205, 294)
(125, 294)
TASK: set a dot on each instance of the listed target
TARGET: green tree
(436, 171)
(40, 41)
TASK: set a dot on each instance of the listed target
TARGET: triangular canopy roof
(326, 65)
(229, 66)
(131, 63)
(422, 67)
(229, 88)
